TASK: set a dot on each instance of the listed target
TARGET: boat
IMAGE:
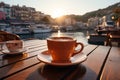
(97, 39)
(5, 27)
(41, 28)
(21, 29)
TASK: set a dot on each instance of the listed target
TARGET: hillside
(98, 13)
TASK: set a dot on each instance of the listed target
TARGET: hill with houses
(97, 13)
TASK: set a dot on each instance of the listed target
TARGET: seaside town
(24, 20)
(35, 45)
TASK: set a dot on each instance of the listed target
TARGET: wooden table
(103, 63)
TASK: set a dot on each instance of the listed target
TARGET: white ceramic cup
(14, 45)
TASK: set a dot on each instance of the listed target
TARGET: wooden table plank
(10, 69)
(112, 66)
(32, 43)
(45, 72)
(88, 49)
(94, 62)
(24, 75)
(6, 59)
(53, 70)
(18, 66)
(30, 68)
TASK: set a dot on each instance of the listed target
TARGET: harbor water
(79, 35)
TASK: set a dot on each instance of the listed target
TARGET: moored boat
(21, 30)
(41, 28)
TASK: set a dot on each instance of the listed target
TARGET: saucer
(16, 52)
(76, 59)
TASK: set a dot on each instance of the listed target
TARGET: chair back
(5, 36)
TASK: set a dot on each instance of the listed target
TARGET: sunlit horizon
(57, 13)
(57, 8)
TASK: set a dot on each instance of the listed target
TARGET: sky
(57, 8)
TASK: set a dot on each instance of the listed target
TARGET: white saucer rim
(84, 57)
(20, 52)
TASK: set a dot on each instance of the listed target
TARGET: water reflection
(35, 36)
(80, 36)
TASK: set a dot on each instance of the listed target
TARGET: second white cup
(14, 45)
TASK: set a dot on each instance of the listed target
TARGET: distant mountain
(98, 13)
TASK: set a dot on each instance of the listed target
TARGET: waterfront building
(6, 9)
(37, 16)
(81, 25)
(93, 22)
(23, 13)
(2, 15)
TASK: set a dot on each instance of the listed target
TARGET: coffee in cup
(62, 48)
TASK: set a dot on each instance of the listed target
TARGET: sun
(57, 13)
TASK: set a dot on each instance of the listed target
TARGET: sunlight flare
(59, 33)
(57, 13)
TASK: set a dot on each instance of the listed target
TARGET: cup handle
(80, 50)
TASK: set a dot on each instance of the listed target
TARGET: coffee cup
(14, 45)
(63, 48)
